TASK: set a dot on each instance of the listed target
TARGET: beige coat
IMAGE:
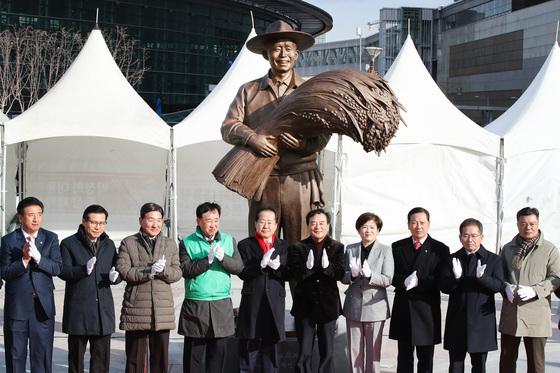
(541, 271)
(148, 300)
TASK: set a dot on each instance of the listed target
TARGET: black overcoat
(88, 300)
(470, 324)
(261, 284)
(416, 314)
(315, 295)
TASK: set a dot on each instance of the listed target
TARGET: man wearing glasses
(471, 281)
(88, 259)
(532, 270)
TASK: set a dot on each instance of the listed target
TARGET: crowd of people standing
(419, 267)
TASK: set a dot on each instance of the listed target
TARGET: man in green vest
(208, 258)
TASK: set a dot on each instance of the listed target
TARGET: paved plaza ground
(389, 350)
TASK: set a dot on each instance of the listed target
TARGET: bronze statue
(278, 125)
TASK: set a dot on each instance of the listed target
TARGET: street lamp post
(373, 53)
(359, 34)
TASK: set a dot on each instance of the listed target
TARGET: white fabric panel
(430, 117)
(11, 182)
(196, 184)
(531, 124)
(204, 123)
(532, 179)
(119, 175)
(3, 117)
(92, 98)
(453, 184)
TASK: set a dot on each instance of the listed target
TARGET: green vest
(215, 283)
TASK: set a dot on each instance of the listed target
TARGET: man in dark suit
(29, 257)
(89, 257)
(316, 264)
(471, 281)
(260, 324)
(416, 317)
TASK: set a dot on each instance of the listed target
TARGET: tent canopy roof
(204, 123)
(93, 98)
(531, 124)
(430, 117)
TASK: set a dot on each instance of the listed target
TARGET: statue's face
(282, 56)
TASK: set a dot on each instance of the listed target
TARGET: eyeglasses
(97, 223)
(474, 236)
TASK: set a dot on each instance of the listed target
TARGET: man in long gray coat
(532, 270)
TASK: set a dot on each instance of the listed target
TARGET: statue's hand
(262, 145)
(291, 141)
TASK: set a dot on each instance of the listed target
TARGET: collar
(27, 235)
(295, 82)
(422, 240)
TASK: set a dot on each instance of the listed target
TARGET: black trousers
(457, 361)
(305, 329)
(137, 344)
(204, 355)
(405, 358)
(534, 347)
(99, 350)
(250, 350)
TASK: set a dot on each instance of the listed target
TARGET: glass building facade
(189, 44)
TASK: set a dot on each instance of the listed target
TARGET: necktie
(417, 245)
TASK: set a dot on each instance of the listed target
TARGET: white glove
(310, 260)
(366, 270)
(411, 281)
(113, 275)
(457, 269)
(354, 266)
(89, 265)
(480, 269)
(219, 252)
(266, 257)
(274, 264)
(159, 265)
(34, 252)
(510, 290)
(324, 259)
(210, 255)
(526, 293)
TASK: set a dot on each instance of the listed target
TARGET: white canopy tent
(439, 160)
(530, 133)
(117, 154)
(199, 147)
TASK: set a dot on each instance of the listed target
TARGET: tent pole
(500, 165)
(337, 188)
(173, 186)
(3, 181)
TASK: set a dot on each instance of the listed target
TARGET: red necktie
(417, 245)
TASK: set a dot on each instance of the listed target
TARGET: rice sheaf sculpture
(356, 104)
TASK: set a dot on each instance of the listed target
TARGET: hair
(470, 222)
(314, 212)
(418, 210)
(207, 206)
(29, 201)
(367, 216)
(526, 211)
(266, 208)
(149, 207)
(94, 209)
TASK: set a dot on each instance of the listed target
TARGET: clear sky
(349, 14)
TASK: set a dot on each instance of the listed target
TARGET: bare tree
(32, 61)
